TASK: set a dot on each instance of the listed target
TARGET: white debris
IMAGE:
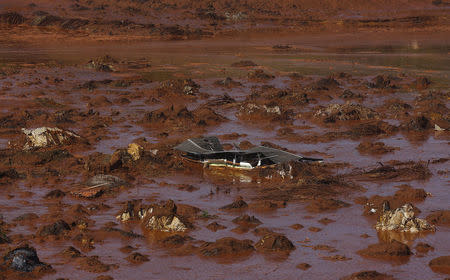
(47, 136)
(165, 223)
(438, 128)
(402, 219)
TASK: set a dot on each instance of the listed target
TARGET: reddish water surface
(206, 62)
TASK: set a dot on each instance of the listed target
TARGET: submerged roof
(212, 145)
(202, 145)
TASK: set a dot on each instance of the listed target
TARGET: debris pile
(402, 219)
(48, 136)
(163, 217)
(349, 111)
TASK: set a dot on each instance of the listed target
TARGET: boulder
(24, 259)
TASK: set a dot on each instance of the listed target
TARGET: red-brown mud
(366, 89)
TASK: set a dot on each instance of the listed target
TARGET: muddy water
(206, 61)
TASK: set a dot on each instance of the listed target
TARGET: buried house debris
(209, 151)
(401, 219)
(48, 136)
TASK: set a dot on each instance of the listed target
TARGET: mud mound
(399, 171)
(441, 217)
(274, 242)
(178, 117)
(440, 264)
(325, 84)
(374, 148)
(338, 112)
(383, 82)
(394, 249)
(226, 246)
(178, 87)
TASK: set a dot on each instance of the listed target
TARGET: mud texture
(96, 94)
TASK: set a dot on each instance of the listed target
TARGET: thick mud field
(98, 192)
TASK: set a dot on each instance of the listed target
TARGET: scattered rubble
(160, 217)
(402, 219)
(48, 136)
(346, 112)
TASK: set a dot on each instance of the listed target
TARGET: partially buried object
(209, 151)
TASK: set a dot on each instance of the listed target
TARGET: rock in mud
(48, 136)
(402, 219)
(24, 259)
(368, 275)
(386, 250)
(274, 242)
(164, 218)
(440, 264)
(349, 111)
(239, 203)
(441, 218)
(226, 246)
